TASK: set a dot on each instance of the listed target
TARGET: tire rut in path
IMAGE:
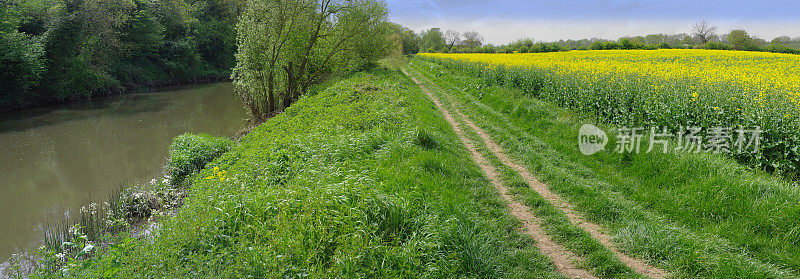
(561, 257)
(594, 230)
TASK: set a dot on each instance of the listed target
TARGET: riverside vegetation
(354, 172)
(66, 50)
(360, 178)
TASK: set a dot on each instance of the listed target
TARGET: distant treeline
(703, 36)
(63, 50)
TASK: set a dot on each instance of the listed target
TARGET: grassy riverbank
(364, 177)
(361, 178)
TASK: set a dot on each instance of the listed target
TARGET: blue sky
(506, 20)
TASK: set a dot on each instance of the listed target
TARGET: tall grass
(91, 219)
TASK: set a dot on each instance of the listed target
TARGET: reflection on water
(58, 160)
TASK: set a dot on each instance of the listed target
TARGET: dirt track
(562, 257)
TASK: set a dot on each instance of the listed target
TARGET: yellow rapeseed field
(769, 73)
(663, 88)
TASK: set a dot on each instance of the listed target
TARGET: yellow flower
(750, 71)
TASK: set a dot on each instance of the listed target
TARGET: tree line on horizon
(274, 50)
(703, 35)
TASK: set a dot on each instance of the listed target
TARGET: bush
(716, 46)
(189, 153)
(21, 67)
(182, 59)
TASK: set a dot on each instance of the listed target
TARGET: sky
(551, 20)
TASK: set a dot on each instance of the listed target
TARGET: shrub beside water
(189, 153)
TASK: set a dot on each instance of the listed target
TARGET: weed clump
(425, 139)
(189, 153)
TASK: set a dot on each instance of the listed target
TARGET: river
(56, 160)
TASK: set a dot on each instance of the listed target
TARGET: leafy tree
(285, 46)
(9, 17)
(433, 40)
(740, 40)
(142, 34)
(216, 43)
(410, 41)
(517, 45)
(73, 49)
(626, 44)
(81, 45)
(21, 63)
(175, 16)
(782, 40)
(34, 15)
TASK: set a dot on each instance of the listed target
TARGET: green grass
(596, 258)
(362, 179)
(697, 215)
(189, 153)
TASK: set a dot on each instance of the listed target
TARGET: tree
(433, 40)
(89, 47)
(410, 41)
(782, 40)
(142, 35)
(472, 39)
(452, 38)
(81, 46)
(626, 43)
(740, 40)
(21, 61)
(285, 46)
(704, 31)
(518, 44)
